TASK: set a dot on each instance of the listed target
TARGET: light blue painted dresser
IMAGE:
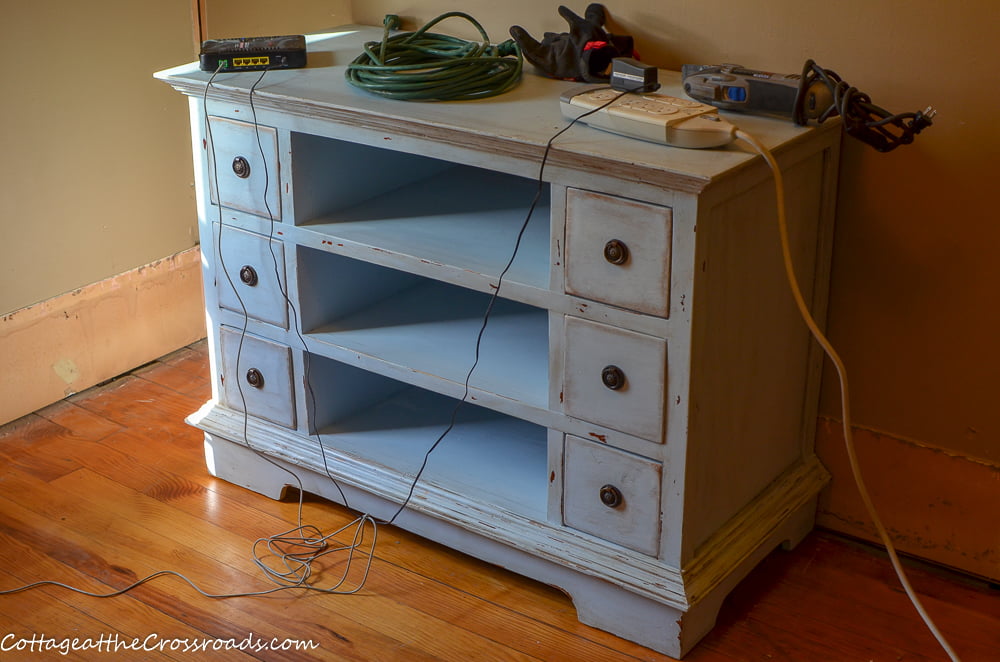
(638, 430)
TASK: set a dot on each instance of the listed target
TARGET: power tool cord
(426, 66)
(845, 398)
(862, 119)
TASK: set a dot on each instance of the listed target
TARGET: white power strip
(654, 117)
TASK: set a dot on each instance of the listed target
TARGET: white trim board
(72, 341)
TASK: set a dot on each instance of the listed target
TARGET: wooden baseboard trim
(71, 342)
(936, 505)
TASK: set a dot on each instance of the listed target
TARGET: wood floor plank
(162, 469)
(217, 575)
(141, 405)
(37, 615)
(397, 590)
(176, 377)
(81, 423)
(193, 358)
(21, 443)
(137, 555)
(111, 483)
(820, 603)
(500, 588)
(889, 617)
(36, 552)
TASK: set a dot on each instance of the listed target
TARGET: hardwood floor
(110, 486)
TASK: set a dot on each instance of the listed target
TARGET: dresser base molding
(668, 610)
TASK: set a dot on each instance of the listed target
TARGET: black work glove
(584, 53)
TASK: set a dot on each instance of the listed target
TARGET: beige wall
(95, 172)
(240, 18)
(95, 165)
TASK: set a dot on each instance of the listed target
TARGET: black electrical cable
(862, 119)
(540, 180)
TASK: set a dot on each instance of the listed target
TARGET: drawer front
(612, 494)
(618, 251)
(242, 179)
(263, 379)
(252, 276)
(615, 378)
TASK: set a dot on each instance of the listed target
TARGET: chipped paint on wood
(65, 368)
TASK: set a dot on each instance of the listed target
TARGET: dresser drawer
(263, 379)
(612, 494)
(614, 377)
(244, 175)
(250, 273)
(618, 251)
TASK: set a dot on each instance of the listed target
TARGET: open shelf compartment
(420, 210)
(423, 331)
(486, 457)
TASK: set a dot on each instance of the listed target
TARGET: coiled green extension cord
(426, 66)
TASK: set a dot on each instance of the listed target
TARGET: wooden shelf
(487, 457)
(428, 333)
(465, 219)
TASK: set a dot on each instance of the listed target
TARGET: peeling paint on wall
(67, 371)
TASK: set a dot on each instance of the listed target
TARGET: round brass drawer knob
(241, 167)
(616, 252)
(613, 377)
(248, 275)
(255, 378)
(611, 496)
